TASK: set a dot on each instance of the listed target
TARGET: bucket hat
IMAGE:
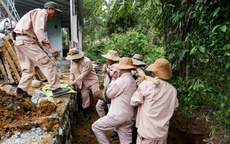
(162, 68)
(124, 63)
(112, 55)
(74, 53)
(52, 5)
(138, 60)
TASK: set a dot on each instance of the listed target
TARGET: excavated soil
(81, 130)
(20, 114)
(182, 130)
(83, 134)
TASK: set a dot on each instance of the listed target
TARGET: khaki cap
(52, 5)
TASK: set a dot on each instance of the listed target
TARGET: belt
(18, 34)
(142, 138)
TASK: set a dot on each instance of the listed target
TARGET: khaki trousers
(30, 54)
(141, 140)
(100, 108)
(85, 94)
(106, 123)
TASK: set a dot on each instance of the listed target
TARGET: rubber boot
(114, 134)
(79, 101)
(19, 91)
(59, 92)
(86, 113)
(134, 135)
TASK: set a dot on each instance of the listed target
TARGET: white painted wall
(53, 29)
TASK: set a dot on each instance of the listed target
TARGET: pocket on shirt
(43, 59)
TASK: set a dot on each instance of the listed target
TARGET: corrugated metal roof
(24, 6)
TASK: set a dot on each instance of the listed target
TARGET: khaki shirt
(120, 92)
(83, 73)
(33, 25)
(141, 72)
(156, 105)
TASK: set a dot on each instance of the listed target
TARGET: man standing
(139, 64)
(120, 113)
(137, 73)
(29, 37)
(156, 104)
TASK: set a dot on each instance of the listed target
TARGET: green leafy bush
(126, 44)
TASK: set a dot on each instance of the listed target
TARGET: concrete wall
(53, 30)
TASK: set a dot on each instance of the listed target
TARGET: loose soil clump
(20, 114)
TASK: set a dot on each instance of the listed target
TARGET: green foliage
(95, 51)
(195, 37)
(127, 45)
(122, 15)
(200, 56)
(65, 38)
(94, 22)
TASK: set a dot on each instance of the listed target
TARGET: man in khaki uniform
(111, 58)
(84, 77)
(137, 73)
(120, 113)
(139, 65)
(29, 37)
(156, 104)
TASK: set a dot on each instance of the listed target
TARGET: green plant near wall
(195, 37)
(127, 44)
(199, 50)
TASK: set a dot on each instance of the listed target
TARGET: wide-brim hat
(124, 63)
(74, 53)
(138, 60)
(161, 68)
(52, 5)
(112, 55)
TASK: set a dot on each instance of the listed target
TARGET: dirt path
(81, 130)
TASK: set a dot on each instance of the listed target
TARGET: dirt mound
(82, 131)
(20, 114)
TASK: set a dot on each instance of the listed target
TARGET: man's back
(157, 106)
